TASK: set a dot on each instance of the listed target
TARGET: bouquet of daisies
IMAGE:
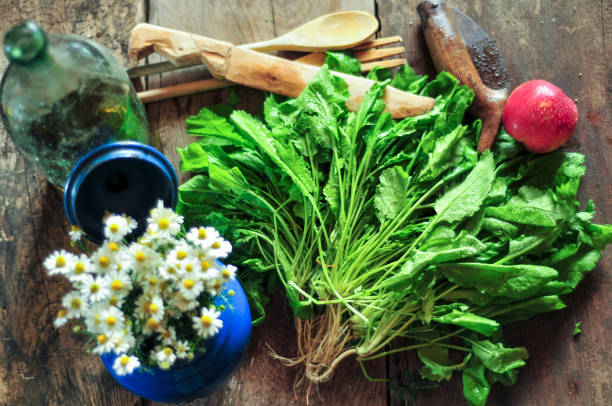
(151, 301)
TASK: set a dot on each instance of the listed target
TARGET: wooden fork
(369, 53)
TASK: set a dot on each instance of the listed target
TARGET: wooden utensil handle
(449, 53)
(179, 47)
(288, 78)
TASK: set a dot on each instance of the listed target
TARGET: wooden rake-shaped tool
(231, 65)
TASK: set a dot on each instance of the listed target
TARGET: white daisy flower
(122, 341)
(179, 255)
(76, 233)
(107, 257)
(104, 344)
(182, 303)
(93, 318)
(120, 283)
(165, 357)
(182, 349)
(141, 258)
(151, 284)
(214, 287)
(111, 320)
(169, 272)
(202, 236)
(115, 300)
(208, 324)
(152, 325)
(60, 262)
(75, 305)
(125, 364)
(142, 306)
(155, 308)
(168, 336)
(61, 318)
(228, 273)
(81, 266)
(220, 248)
(116, 227)
(95, 289)
(190, 287)
(164, 222)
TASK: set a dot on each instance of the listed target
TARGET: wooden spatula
(261, 71)
(450, 36)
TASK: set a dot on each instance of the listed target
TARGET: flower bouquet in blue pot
(169, 320)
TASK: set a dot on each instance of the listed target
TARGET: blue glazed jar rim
(104, 154)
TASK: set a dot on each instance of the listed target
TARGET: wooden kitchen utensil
(366, 52)
(329, 32)
(450, 36)
(258, 70)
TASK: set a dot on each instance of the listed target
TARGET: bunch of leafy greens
(381, 229)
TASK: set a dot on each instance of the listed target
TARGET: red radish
(540, 116)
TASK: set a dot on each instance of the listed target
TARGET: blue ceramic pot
(206, 372)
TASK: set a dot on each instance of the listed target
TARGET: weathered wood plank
(565, 45)
(38, 363)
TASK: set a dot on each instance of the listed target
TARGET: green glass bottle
(64, 95)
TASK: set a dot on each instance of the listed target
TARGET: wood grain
(567, 45)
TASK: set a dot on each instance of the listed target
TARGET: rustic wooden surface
(557, 41)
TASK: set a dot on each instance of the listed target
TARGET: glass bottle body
(72, 97)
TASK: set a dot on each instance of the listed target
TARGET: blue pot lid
(120, 178)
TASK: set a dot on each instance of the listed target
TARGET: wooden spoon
(334, 31)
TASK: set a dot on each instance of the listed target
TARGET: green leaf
(512, 281)
(343, 61)
(405, 79)
(476, 387)
(529, 308)
(208, 125)
(498, 358)
(577, 329)
(437, 364)
(465, 199)
(193, 158)
(283, 156)
(391, 193)
(474, 322)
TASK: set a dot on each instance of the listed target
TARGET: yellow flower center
(231, 293)
(152, 281)
(206, 320)
(104, 261)
(110, 321)
(113, 246)
(117, 285)
(102, 339)
(205, 265)
(190, 355)
(147, 306)
(189, 267)
(201, 233)
(79, 268)
(152, 324)
(226, 274)
(153, 308)
(188, 283)
(97, 319)
(217, 284)
(76, 303)
(140, 257)
(113, 301)
(113, 228)
(163, 224)
(61, 313)
(168, 351)
(181, 255)
(167, 334)
(60, 262)
(124, 360)
(94, 288)
(216, 244)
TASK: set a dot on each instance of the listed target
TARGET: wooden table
(553, 40)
